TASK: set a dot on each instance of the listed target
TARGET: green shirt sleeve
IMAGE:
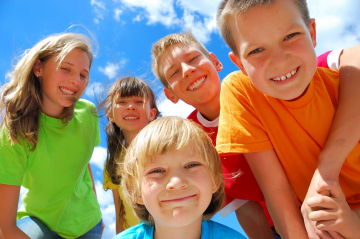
(13, 159)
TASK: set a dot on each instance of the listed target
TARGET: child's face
(63, 86)
(176, 188)
(131, 113)
(276, 49)
(192, 76)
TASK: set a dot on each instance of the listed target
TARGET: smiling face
(191, 75)
(176, 188)
(276, 49)
(131, 114)
(62, 86)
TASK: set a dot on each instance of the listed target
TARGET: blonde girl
(130, 106)
(47, 137)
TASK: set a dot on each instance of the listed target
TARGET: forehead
(174, 53)
(261, 23)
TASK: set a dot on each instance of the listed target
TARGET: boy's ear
(215, 61)
(312, 30)
(215, 188)
(37, 68)
(236, 60)
(152, 114)
(170, 94)
(140, 201)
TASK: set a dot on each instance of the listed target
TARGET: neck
(210, 110)
(191, 231)
(129, 136)
(52, 111)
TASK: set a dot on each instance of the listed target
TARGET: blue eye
(191, 165)
(157, 171)
(291, 35)
(255, 51)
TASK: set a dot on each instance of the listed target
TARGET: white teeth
(131, 117)
(67, 91)
(197, 83)
(288, 75)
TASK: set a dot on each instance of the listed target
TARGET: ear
(215, 188)
(215, 61)
(152, 114)
(140, 201)
(170, 94)
(236, 60)
(37, 68)
(312, 30)
(111, 117)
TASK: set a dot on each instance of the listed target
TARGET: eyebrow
(74, 65)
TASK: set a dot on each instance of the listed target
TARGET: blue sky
(125, 31)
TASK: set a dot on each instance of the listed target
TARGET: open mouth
(67, 91)
(287, 76)
(131, 118)
(197, 83)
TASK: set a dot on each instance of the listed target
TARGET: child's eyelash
(191, 165)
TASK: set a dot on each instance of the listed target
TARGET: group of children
(286, 134)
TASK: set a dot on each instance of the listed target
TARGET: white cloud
(107, 208)
(117, 13)
(203, 7)
(98, 4)
(201, 28)
(96, 21)
(94, 90)
(168, 108)
(138, 18)
(98, 157)
(111, 70)
(337, 23)
(157, 11)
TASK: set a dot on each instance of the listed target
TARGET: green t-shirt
(56, 174)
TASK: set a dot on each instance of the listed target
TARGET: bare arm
(253, 221)
(278, 193)
(345, 129)
(118, 202)
(9, 197)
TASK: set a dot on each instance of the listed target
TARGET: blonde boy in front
(281, 115)
(172, 178)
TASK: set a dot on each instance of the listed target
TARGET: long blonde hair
(20, 104)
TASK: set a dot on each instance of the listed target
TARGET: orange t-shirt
(251, 121)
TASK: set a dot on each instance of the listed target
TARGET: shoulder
(236, 78)
(83, 104)
(192, 115)
(219, 231)
(141, 230)
(327, 74)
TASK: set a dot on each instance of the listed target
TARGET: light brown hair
(20, 104)
(159, 137)
(164, 43)
(228, 9)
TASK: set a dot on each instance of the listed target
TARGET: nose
(130, 106)
(187, 69)
(177, 182)
(279, 57)
(75, 79)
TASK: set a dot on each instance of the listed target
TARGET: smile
(67, 91)
(196, 84)
(284, 77)
(180, 199)
(131, 118)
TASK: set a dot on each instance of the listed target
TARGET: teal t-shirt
(209, 230)
(55, 173)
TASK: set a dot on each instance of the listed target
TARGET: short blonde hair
(163, 44)
(159, 137)
(20, 104)
(228, 9)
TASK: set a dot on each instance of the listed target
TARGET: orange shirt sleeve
(240, 129)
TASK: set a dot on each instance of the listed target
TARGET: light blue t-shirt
(209, 230)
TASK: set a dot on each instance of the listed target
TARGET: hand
(312, 230)
(102, 227)
(335, 214)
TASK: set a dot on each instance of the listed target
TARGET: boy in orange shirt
(280, 117)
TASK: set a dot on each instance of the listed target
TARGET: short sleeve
(240, 129)
(107, 184)
(13, 159)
